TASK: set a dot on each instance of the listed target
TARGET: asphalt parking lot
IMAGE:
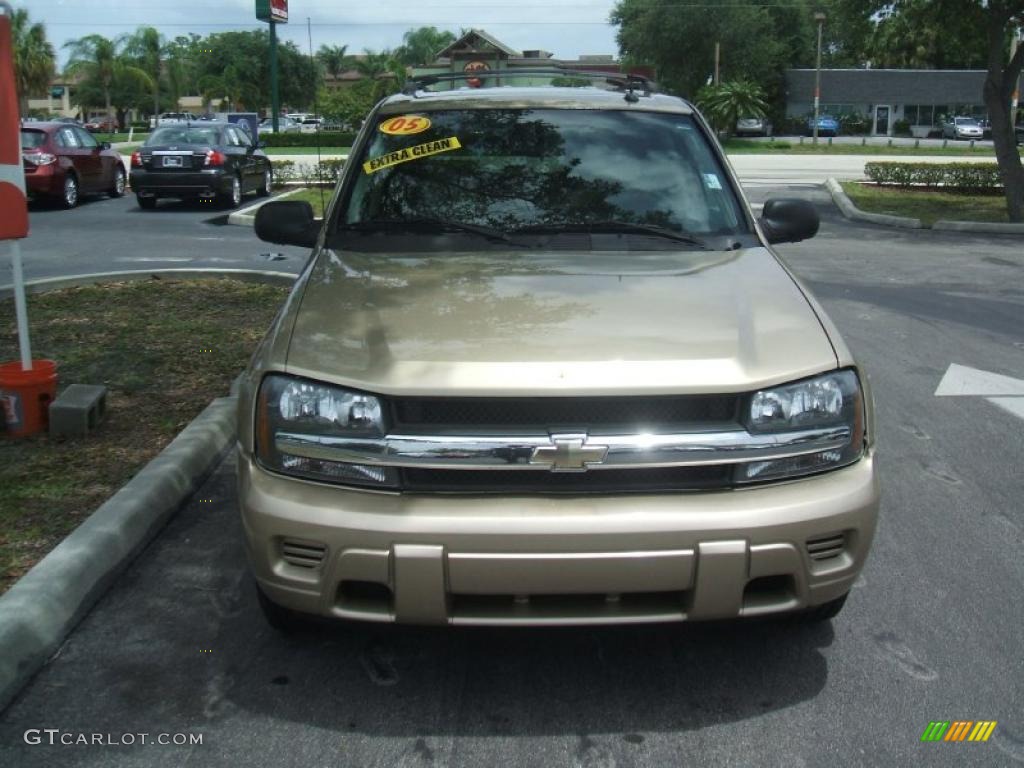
(932, 630)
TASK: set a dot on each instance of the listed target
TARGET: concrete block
(78, 410)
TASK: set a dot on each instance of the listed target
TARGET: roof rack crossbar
(624, 81)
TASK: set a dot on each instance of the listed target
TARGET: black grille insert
(545, 481)
(660, 414)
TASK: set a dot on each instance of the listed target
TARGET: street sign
(275, 11)
(14, 222)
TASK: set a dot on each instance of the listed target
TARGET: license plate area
(172, 161)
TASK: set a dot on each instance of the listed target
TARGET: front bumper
(450, 559)
(204, 183)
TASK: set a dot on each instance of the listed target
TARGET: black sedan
(199, 160)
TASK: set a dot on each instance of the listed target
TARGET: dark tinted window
(31, 139)
(85, 138)
(515, 168)
(184, 134)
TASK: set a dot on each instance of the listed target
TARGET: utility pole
(275, 102)
(820, 18)
(718, 57)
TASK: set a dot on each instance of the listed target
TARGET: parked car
(962, 128)
(101, 125)
(171, 118)
(753, 126)
(284, 125)
(827, 126)
(583, 390)
(211, 159)
(986, 128)
(64, 162)
(310, 124)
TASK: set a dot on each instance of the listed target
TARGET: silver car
(963, 128)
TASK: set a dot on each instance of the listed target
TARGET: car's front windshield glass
(966, 121)
(182, 134)
(520, 169)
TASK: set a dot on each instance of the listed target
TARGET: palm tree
(725, 103)
(333, 58)
(100, 63)
(147, 47)
(34, 58)
(385, 71)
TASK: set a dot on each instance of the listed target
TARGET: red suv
(64, 162)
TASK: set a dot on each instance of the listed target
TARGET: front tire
(69, 197)
(120, 182)
(146, 203)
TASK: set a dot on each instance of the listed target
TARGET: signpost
(273, 12)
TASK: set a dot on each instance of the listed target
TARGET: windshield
(522, 169)
(32, 139)
(966, 121)
(183, 134)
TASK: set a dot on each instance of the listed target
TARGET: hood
(592, 322)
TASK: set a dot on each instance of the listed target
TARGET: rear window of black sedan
(183, 134)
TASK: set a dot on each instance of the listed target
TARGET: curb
(55, 283)
(246, 217)
(992, 227)
(851, 211)
(42, 607)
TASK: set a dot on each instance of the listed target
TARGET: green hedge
(325, 172)
(963, 176)
(327, 139)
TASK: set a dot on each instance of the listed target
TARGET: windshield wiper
(426, 224)
(612, 226)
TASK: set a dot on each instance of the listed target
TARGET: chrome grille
(592, 414)
(596, 481)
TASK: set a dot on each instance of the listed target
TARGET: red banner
(14, 220)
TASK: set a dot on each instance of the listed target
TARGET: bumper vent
(303, 554)
(826, 548)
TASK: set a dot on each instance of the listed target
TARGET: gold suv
(543, 367)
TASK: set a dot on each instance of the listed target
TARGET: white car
(962, 128)
(311, 124)
(284, 125)
(170, 118)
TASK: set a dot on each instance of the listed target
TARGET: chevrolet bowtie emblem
(569, 453)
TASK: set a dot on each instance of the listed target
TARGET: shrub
(284, 172)
(327, 139)
(853, 123)
(969, 177)
(901, 128)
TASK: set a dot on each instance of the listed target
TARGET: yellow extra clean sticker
(411, 153)
(404, 125)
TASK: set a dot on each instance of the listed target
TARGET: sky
(566, 28)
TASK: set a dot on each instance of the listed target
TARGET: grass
(163, 348)
(112, 137)
(312, 195)
(739, 146)
(928, 205)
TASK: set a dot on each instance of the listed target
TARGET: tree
(34, 58)
(147, 47)
(333, 59)
(725, 103)
(383, 70)
(103, 69)
(421, 46)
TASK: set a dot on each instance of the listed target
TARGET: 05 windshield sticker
(435, 147)
(404, 125)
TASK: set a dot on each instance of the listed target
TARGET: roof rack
(623, 82)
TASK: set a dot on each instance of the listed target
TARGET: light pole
(820, 18)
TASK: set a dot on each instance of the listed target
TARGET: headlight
(288, 405)
(830, 402)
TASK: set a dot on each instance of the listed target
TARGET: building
(923, 98)
(478, 51)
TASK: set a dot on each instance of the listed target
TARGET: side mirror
(789, 220)
(287, 223)
(105, 145)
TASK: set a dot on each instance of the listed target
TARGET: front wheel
(69, 198)
(233, 197)
(280, 618)
(825, 611)
(146, 203)
(119, 183)
(268, 181)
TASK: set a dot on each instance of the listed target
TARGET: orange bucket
(25, 397)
